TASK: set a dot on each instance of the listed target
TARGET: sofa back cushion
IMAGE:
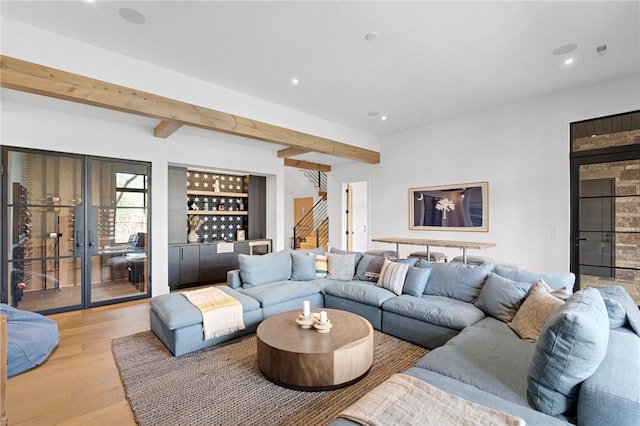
(265, 269)
(501, 297)
(358, 254)
(457, 280)
(571, 346)
(555, 280)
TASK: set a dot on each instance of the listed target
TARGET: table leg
(464, 255)
(397, 250)
(428, 253)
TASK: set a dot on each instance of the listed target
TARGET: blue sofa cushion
(501, 297)
(442, 311)
(571, 346)
(279, 292)
(362, 292)
(31, 338)
(341, 267)
(611, 396)
(491, 358)
(369, 267)
(457, 280)
(265, 269)
(416, 281)
(358, 254)
(175, 311)
(619, 294)
(555, 280)
(303, 266)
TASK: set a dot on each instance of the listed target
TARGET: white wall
(42, 123)
(522, 150)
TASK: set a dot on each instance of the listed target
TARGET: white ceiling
(432, 60)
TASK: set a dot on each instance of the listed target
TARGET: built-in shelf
(217, 194)
(218, 212)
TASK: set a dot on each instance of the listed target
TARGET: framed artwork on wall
(459, 207)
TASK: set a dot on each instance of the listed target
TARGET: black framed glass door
(76, 230)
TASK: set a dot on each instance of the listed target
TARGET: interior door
(597, 216)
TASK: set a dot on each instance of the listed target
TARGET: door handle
(79, 242)
(91, 242)
(583, 239)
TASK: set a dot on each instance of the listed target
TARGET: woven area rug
(223, 385)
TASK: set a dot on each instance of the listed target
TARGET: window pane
(129, 180)
(130, 199)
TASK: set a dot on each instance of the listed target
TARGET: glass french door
(76, 230)
(605, 213)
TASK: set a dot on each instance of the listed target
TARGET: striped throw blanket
(221, 313)
(405, 400)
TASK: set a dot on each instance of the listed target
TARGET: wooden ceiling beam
(291, 152)
(28, 77)
(166, 128)
(300, 164)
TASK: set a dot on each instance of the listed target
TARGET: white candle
(323, 317)
(306, 308)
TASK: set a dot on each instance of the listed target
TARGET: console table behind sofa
(464, 245)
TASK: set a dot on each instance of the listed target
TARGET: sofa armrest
(612, 394)
(233, 278)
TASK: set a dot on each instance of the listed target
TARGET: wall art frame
(458, 207)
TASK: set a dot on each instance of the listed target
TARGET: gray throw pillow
(617, 314)
(358, 254)
(571, 346)
(501, 297)
(416, 281)
(457, 280)
(620, 295)
(369, 267)
(303, 266)
(342, 267)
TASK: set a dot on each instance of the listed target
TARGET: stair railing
(315, 221)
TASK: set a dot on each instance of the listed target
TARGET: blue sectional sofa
(583, 368)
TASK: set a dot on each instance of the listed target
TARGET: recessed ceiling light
(568, 61)
(295, 81)
(383, 118)
(373, 113)
(563, 50)
(132, 15)
(371, 36)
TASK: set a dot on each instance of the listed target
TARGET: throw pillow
(392, 276)
(620, 295)
(457, 280)
(265, 269)
(416, 281)
(538, 306)
(369, 267)
(342, 267)
(617, 314)
(358, 254)
(501, 297)
(303, 266)
(322, 265)
(570, 348)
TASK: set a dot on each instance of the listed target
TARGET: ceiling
(431, 60)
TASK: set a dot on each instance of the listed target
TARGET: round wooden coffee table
(304, 359)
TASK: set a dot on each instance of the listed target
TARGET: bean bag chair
(31, 338)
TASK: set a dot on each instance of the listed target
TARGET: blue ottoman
(31, 338)
(178, 324)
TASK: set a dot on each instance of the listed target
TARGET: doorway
(356, 216)
(605, 202)
(77, 230)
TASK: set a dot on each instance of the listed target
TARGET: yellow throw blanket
(221, 313)
(405, 400)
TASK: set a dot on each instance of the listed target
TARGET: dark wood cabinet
(184, 265)
(195, 264)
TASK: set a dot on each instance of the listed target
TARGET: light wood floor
(79, 384)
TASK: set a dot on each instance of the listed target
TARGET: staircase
(313, 229)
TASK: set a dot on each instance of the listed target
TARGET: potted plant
(193, 223)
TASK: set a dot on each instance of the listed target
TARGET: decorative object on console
(461, 207)
(194, 223)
